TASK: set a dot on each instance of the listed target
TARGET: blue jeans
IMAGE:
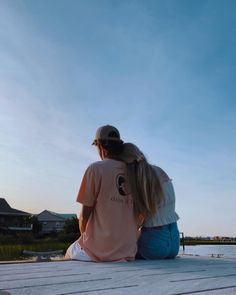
(159, 242)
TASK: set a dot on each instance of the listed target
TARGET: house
(13, 219)
(53, 222)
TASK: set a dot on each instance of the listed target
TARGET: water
(208, 250)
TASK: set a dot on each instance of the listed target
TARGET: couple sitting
(128, 206)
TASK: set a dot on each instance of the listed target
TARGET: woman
(155, 202)
(107, 221)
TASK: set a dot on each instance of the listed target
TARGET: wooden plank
(185, 275)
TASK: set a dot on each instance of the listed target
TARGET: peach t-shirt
(111, 232)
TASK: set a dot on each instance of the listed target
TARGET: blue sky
(162, 72)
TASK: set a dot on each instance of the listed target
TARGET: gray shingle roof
(6, 209)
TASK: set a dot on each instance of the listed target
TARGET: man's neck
(112, 157)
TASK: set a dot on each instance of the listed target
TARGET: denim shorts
(159, 242)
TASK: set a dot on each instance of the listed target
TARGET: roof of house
(5, 209)
(68, 216)
(47, 215)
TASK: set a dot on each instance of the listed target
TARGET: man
(107, 222)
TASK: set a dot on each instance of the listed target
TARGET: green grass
(14, 252)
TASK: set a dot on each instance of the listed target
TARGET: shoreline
(205, 242)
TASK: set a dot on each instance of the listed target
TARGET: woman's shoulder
(161, 173)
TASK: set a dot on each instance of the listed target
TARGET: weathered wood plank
(185, 275)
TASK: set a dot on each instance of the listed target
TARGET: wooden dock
(184, 275)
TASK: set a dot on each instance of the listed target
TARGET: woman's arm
(84, 217)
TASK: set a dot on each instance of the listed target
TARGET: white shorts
(75, 252)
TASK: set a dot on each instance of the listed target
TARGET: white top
(166, 212)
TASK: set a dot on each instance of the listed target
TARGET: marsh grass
(15, 252)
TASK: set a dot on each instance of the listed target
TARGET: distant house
(53, 222)
(13, 219)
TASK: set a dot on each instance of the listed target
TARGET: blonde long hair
(145, 184)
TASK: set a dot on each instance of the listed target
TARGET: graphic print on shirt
(124, 196)
(120, 184)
